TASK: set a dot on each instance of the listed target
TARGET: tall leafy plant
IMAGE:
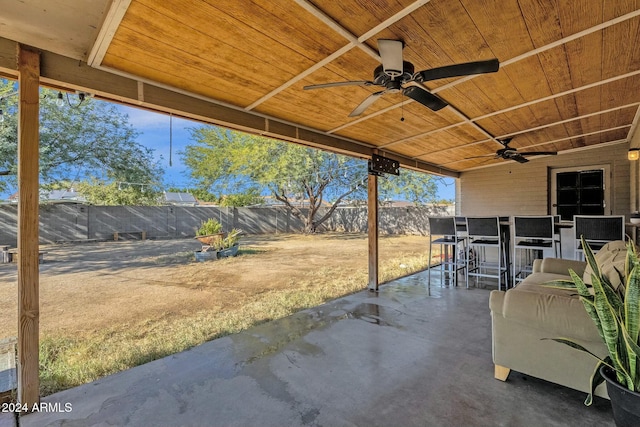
(616, 313)
(208, 227)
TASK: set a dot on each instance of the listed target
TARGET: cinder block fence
(69, 222)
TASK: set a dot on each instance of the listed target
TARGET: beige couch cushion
(610, 259)
(558, 312)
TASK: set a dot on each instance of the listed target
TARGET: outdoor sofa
(524, 315)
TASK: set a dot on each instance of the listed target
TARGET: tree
(301, 178)
(416, 187)
(104, 193)
(249, 197)
(77, 142)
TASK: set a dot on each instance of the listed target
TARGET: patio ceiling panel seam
(549, 46)
(302, 75)
(584, 116)
(219, 103)
(543, 143)
(112, 21)
(634, 124)
(353, 42)
(513, 60)
(560, 94)
(422, 135)
(571, 150)
(534, 129)
(515, 107)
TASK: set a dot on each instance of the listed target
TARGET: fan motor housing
(383, 79)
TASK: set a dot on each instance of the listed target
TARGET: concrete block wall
(105, 220)
(391, 220)
(64, 223)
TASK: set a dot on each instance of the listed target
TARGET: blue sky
(154, 133)
(154, 129)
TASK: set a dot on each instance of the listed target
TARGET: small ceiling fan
(509, 153)
(396, 75)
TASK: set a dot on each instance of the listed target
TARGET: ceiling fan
(509, 153)
(396, 75)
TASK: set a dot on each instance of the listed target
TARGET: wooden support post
(372, 227)
(28, 273)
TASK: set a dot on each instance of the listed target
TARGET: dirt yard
(85, 288)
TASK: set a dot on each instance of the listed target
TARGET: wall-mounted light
(633, 154)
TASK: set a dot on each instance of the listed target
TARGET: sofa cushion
(611, 260)
(558, 312)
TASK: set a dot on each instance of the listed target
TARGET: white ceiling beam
(393, 19)
(560, 94)
(560, 122)
(634, 136)
(549, 46)
(515, 107)
(572, 150)
(550, 142)
(110, 25)
(353, 41)
(457, 147)
(513, 60)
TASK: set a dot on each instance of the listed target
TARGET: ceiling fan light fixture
(633, 154)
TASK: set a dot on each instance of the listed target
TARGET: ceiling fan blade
(366, 103)
(335, 84)
(425, 98)
(539, 153)
(391, 54)
(457, 70)
(518, 158)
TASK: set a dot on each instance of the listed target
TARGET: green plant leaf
(588, 301)
(560, 284)
(632, 321)
(595, 380)
(573, 344)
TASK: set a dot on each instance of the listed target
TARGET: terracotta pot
(210, 239)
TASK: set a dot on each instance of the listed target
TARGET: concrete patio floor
(407, 356)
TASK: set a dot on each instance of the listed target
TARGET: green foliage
(250, 197)
(616, 314)
(94, 140)
(416, 187)
(210, 226)
(229, 160)
(104, 193)
(232, 239)
(199, 193)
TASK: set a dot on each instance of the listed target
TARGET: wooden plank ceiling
(569, 70)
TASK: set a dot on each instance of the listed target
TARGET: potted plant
(230, 244)
(210, 232)
(616, 313)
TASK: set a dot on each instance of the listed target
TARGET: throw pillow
(610, 259)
